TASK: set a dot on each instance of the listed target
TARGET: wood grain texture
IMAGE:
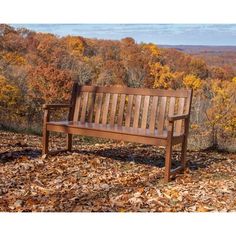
(91, 106)
(105, 108)
(113, 108)
(121, 109)
(137, 111)
(161, 115)
(98, 107)
(153, 114)
(129, 110)
(84, 106)
(145, 112)
(180, 112)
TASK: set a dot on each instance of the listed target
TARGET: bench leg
(183, 153)
(69, 142)
(45, 141)
(168, 162)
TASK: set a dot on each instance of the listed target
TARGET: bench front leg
(169, 151)
(185, 143)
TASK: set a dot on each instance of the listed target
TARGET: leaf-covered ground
(110, 176)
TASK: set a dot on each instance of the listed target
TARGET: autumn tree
(163, 77)
(199, 68)
(49, 84)
(192, 81)
(134, 62)
(222, 111)
(9, 96)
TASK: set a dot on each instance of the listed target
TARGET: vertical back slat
(172, 106)
(84, 107)
(188, 102)
(98, 107)
(171, 110)
(161, 117)
(91, 107)
(153, 114)
(137, 110)
(105, 108)
(121, 109)
(180, 112)
(77, 108)
(75, 93)
(129, 110)
(145, 112)
(113, 109)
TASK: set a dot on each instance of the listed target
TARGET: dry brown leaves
(109, 176)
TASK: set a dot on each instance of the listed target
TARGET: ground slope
(110, 176)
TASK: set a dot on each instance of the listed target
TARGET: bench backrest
(129, 107)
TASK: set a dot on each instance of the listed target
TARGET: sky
(162, 34)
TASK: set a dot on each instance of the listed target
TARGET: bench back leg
(184, 144)
(45, 141)
(45, 138)
(69, 142)
(184, 152)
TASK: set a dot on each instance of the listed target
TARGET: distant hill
(214, 55)
(193, 49)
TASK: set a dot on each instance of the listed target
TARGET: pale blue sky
(169, 34)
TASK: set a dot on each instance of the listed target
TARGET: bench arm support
(55, 106)
(48, 107)
(178, 117)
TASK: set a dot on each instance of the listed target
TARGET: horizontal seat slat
(110, 128)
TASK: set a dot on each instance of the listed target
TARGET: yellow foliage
(8, 93)
(194, 126)
(14, 59)
(75, 45)
(223, 109)
(163, 76)
(192, 81)
(154, 50)
(234, 80)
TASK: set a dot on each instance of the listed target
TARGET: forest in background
(38, 68)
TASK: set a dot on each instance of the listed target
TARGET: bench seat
(110, 131)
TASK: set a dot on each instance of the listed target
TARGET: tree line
(37, 68)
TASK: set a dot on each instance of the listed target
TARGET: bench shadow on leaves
(10, 156)
(142, 155)
(197, 159)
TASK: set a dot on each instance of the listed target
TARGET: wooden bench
(148, 116)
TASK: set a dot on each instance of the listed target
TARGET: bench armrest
(55, 106)
(177, 117)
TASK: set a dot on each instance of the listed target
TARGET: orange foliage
(49, 84)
